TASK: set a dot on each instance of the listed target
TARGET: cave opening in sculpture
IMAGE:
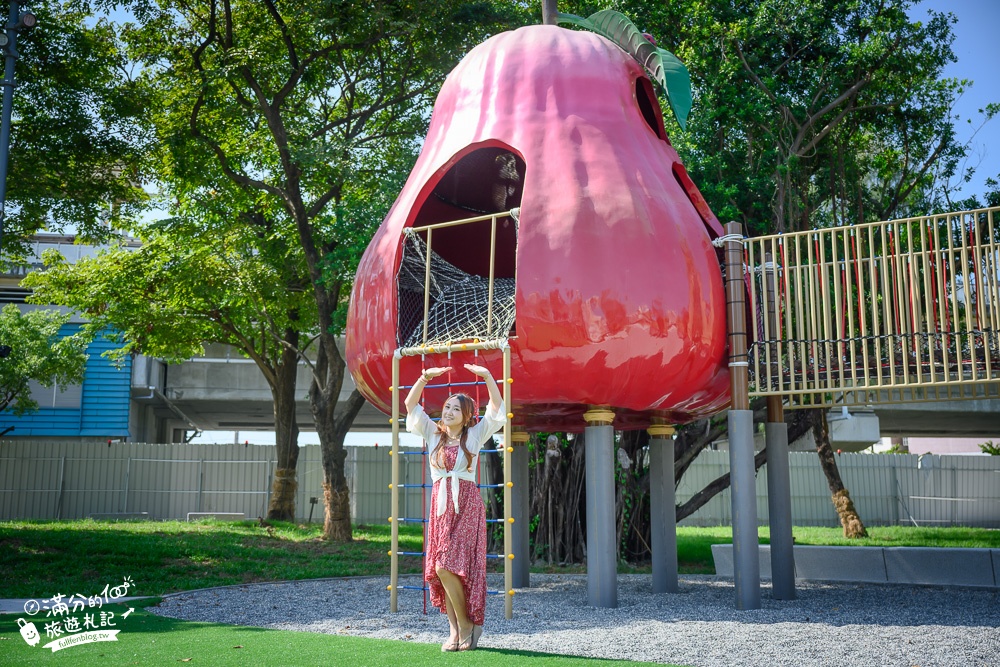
(470, 275)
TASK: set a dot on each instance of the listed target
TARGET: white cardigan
(419, 423)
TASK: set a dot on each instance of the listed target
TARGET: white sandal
(468, 643)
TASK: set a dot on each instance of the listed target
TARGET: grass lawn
(82, 557)
(147, 639)
(169, 556)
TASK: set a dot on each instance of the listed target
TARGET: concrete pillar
(779, 487)
(663, 508)
(520, 506)
(779, 510)
(746, 557)
(602, 560)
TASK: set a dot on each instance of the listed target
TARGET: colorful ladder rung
(398, 420)
(438, 385)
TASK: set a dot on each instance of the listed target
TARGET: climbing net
(459, 307)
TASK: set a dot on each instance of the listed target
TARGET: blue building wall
(104, 402)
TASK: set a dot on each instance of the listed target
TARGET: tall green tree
(77, 131)
(37, 353)
(195, 281)
(307, 108)
(813, 113)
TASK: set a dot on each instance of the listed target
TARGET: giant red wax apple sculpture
(619, 296)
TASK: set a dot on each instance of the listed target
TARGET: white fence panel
(48, 480)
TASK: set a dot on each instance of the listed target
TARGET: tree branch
(293, 58)
(785, 111)
(347, 410)
(235, 176)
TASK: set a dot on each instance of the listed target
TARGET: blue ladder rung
(494, 592)
(490, 451)
(414, 486)
(494, 555)
(494, 521)
(447, 384)
(414, 520)
(413, 588)
(422, 452)
(489, 486)
(410, 553)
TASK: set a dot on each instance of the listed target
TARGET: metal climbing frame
(884, 312)
(394, 453)
(482, 335)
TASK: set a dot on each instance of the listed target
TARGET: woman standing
(455, 564)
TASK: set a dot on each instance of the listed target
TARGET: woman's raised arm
(491, 385)
(418, 387)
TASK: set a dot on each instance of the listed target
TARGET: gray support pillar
(779, 486)
(779, 511)
(602, 561)
(520, 507)
(663, 509)
(746, 559)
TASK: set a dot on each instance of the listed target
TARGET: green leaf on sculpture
(662, 66)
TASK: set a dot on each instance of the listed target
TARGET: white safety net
(459, 307)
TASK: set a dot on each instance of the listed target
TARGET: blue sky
(978, 60)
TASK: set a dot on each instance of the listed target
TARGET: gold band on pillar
(660, 430)
(519, 437)
(599, 415)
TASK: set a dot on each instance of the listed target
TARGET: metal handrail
(879, 312)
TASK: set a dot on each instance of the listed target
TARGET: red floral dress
(457, 541)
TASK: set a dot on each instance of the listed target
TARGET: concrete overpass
(222, 391)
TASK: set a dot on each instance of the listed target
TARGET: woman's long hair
(469, 412)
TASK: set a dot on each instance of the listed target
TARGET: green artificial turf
(147, 639)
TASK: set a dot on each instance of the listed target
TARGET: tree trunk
(798, 424)
(849, 519)
(331, 418)
(548, 455)
(549, 11)
(632, 497)
(559, 467)
(573, 517)
(332, 423)
(286, 433)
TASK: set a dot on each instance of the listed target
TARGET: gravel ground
(829, 624)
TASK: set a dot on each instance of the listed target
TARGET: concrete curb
(974, 568)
